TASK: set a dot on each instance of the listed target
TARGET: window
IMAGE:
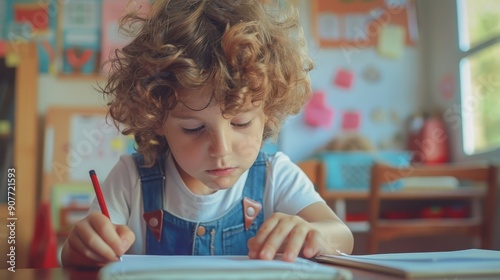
(479, 39)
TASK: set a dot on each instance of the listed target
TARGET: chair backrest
(315, 170)
(382, 174)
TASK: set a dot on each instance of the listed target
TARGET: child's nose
(220, 145)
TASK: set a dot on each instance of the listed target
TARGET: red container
(356, 217)
(397, 215)
(456, 212)
(432, 212)
(431, 145)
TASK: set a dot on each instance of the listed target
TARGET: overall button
(153, 222)
(201, 231)
(250, 211)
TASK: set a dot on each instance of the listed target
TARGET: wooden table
(71, 274)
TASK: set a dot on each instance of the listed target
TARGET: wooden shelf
(364, 226)
(339, 198)
(441, 222)
(394, 228)
(473, 216)
(459, 193)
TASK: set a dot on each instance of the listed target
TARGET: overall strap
(256, 180)
(152, 182)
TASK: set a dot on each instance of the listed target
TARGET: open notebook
(216, 267)
(473, 262)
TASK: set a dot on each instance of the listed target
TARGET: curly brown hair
(246, 50)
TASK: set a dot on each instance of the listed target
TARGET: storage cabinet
(24, 151)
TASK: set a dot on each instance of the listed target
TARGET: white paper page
(93, 146)
(452, 263)
(329, 26)
(355, 27)
(216, 267)
(447, 256)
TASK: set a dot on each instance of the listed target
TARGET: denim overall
(167, 234)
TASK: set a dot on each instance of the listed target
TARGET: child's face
(211, 152)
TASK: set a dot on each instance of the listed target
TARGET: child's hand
(95, 241)
(287, 234)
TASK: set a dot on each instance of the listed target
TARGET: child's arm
(316, 229)
(95, 241)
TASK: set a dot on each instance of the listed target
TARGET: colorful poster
(3, 19)
(358, 23)
(80, 36)
(112, 39)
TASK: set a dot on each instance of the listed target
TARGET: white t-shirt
(288, 190)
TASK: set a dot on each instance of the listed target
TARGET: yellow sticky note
(391, 41)
(117, 144)
(52, 68)
(4, 127)
(12, 59)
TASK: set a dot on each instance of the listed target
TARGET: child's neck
(193, 184)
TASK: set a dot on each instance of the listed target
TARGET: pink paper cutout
(317, 113)
(351, 120)
(344, 79)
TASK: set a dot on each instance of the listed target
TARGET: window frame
(465, 51)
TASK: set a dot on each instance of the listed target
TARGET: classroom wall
(399, 94)
(67, 92)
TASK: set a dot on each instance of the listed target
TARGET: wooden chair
(479, 225)
(315, 170)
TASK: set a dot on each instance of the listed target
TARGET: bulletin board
(78, 139)
(357, 23)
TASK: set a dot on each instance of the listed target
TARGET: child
(201, 86)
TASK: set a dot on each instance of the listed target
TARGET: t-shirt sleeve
(293, 191)
(116, 189)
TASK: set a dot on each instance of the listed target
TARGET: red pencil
(100, 197)
(98, 193)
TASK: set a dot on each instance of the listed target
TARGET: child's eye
(242, 125)
(193, 130)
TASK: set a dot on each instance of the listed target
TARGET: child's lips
(221, 171)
